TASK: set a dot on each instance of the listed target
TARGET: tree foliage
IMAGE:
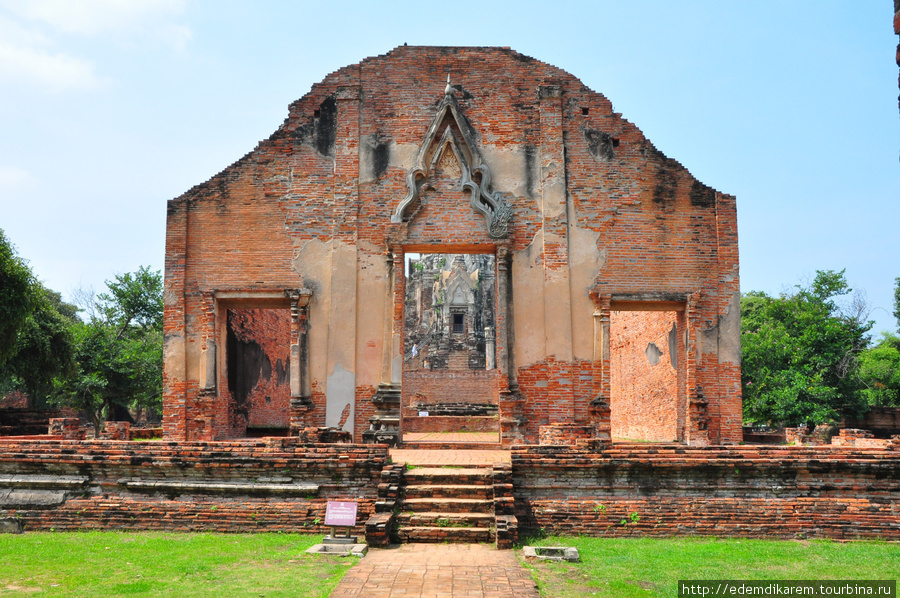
(897, 302)
(18, 296)
(44, 348)
(879, 372)
(800, 354)
(118, 350)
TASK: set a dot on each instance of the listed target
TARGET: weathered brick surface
(100, 498)
(437, 386)
(667, 490)
(116, 431)
(68, 428)
(556, 392)
(596, 209)
(267, 404)
(645, 400)
(566, 434)
(882, 421)
(14, 400)
(18, 421)
(444, 423)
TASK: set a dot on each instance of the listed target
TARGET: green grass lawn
(652, 567)
(99, 564)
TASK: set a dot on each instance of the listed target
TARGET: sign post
(340, 515)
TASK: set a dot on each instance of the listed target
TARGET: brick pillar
(727, 425)
(67, 427)
(696, 431)
(301, 404)
(600, 405)
(510, 401)
(116, 431)
(555, 250)
(398, 328)
(174, 361)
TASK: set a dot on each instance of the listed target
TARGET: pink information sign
(340, 513)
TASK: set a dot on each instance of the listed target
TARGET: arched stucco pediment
(451, 131)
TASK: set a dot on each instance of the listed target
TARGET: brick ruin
(846, 491)
(578, 227)
(590, 292)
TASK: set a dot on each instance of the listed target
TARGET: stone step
(453, 520)
(473, 476)
(449, 491)
(447, 505)
(466, 535)
(450, 446)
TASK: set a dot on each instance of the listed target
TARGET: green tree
(118, 350)
(44, 348)
(18, 296)
(897, 302)
(799, 354)
(879, 372)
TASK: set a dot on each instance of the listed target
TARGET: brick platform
(633, 489)
(275, 484)
(666, 490)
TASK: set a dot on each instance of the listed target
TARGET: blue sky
(108, 108)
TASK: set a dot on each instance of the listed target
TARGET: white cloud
(90, 17)
(33, 35)
(54, 71)
(13, 177)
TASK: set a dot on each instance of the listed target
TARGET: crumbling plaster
(580, 186)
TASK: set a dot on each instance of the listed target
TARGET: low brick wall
(450, 423)
(565, 434)
(882, 421)
(864, 439)
(669, 490)
(145, 433)
(276, 484)
(449, 386)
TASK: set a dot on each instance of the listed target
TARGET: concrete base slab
(551, 553)
(338, 549)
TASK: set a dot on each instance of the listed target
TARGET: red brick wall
(671, 490)
(448, 386)
(659, 230)
(555, 392)
(450, 423)
(268, 402)
(881, 420)
(645, 397)
(343, 472)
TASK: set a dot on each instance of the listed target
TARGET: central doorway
(450, 380)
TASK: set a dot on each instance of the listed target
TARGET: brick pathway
(438, 571)
(423, 457)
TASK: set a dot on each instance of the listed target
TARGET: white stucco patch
(340, 392)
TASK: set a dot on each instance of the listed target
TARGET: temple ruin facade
(442, 237)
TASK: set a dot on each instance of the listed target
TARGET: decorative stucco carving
(475, 174)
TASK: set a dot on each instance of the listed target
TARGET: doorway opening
(258, 369)
(647, 385)
(449, 387)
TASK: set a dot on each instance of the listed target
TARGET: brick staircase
(443, 504)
